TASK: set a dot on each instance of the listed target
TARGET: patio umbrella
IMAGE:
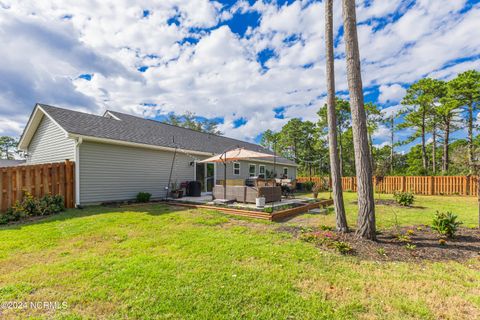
(235, 155)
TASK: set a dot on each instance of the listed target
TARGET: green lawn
(154, 262)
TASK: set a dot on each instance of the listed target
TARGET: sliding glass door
(205, 174)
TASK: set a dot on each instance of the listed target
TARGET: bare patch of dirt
(415, 243)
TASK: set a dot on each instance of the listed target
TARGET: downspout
(78, 142)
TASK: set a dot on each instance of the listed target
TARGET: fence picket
(2, 202)
(426, 185)
(39, 180)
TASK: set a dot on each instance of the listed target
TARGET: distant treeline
(431, 111)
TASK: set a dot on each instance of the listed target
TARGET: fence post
(1, 190)
(70, 190)
(466, 185)
(9, 186)
(432, 186)
(19, 183)
(404, 183)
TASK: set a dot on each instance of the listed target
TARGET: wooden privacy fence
(427, 185)
(39, 180)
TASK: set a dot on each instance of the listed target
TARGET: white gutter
(78, 142)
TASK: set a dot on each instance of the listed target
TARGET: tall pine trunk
(470, 136)
(434, 149)
(336, 173)
(366, 206)
(424, 149)
(445, 147)
(372, 160)
(340, 149)
(392, 123)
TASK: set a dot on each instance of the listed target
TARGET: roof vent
(110, 115)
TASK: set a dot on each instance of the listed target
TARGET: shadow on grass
(306, 215)
(152, 209)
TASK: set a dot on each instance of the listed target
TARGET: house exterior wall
(49, 144)
(244, 172)
(110, 172)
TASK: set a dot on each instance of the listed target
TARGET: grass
(422, 211)
(155, 262)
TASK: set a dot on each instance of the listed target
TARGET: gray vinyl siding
(49, 144)
(244, 173)
(111, 172)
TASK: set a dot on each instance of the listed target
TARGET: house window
(252, 170)
(261, 171)
(285, 171)
(236, 168)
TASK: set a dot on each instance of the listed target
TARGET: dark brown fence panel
(426, 185)
(39, 180)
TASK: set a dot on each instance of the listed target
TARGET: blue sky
(253, 65)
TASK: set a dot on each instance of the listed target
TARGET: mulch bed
(388, 247)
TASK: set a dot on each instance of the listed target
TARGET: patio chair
(287, 191)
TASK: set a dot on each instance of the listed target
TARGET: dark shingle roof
(10, 163)
(138, 130)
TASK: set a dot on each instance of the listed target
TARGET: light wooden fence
(427, 185)
(39, 180)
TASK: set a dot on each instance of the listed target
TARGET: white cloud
(391, 93)
(392, 110)
(43, 55)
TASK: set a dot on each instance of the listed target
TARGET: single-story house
(117, 155)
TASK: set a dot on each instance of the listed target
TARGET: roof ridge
(70, 110)
(196, 131)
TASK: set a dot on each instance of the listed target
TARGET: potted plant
(316, 189)
(175, 192)
(184, 187)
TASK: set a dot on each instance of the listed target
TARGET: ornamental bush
(405, 199)
(446, 224)
(143, 197)
(31, 206)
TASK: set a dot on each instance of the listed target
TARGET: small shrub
(326, 228)
(11, 215)
(308, 186)
(405, 199)
(308, 237)
(28, 206)
(419, 228)
(268, 210)
(410, 246)
(381, 251)
(4, 219)
(31, 206)
(342, 247)
(410, 232)
(49, 205)
(404, 238)
(306, 229)
(445, 223)
(316, 190)
(143, 197)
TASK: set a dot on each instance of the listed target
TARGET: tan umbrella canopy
(234, 155)
(237, 154)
